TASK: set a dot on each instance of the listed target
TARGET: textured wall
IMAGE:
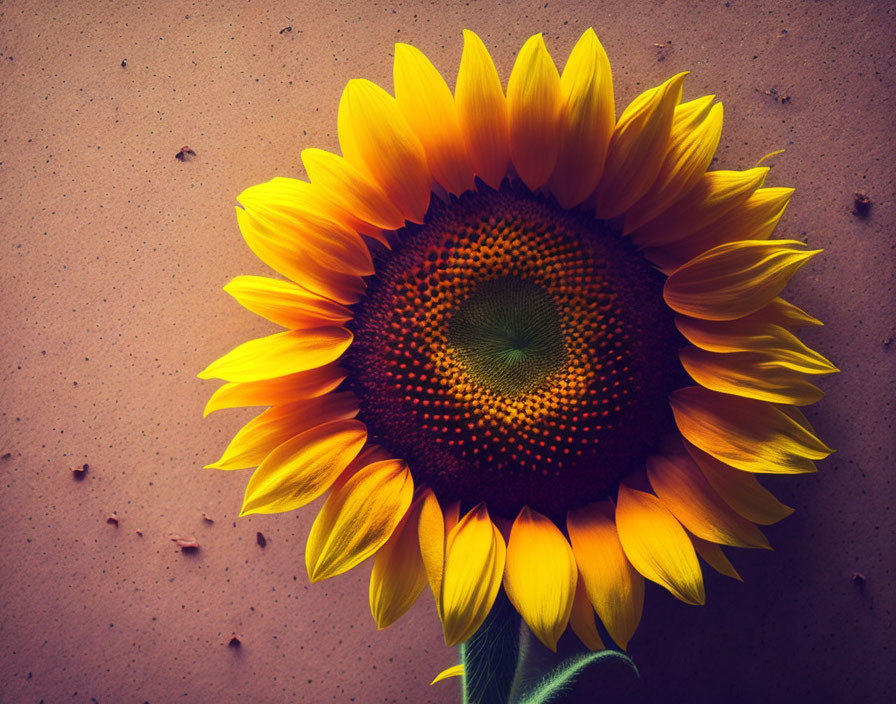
(113, 259)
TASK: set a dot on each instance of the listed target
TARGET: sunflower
(528, 345)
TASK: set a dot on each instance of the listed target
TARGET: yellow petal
(751, 435)
(754, 219)
(540, 575)
(292, 197)
(358, 518)
(755, 333)
(713, 555)
(280, 354)
(261, 435)
(696, 129)
(377, 140)
(748, 374)
(304, 230)
(716, 193)
(370, 454)
(637, 148)
(533, 106)
(657, 545)
(278, 391)
(296, 264)
(286, 304)
(431, 534)
(474, 565)
(427, 104)
(613, 586)
(304, 467)
(740, 490)
(681, 486)
(351, 189)
(453, 671)
(582, 619)
(398, 574)
(482, 112)
(734, 280)
(783, 313)
(587, 119)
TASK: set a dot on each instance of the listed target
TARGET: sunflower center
(515, 353)
(508, 335)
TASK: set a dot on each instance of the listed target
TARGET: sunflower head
(529, 345)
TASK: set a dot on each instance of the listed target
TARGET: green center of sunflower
(515, 353)
(508, 334)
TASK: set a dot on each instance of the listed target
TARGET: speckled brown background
(113, 259)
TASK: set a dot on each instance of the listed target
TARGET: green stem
(490, 656)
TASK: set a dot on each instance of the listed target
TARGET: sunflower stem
(491, 655)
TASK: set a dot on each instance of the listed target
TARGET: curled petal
(304, 467)
(587, 118)
(278, 391)
(582, 619)
(681, 486)
(637, 148)
(533, 104)
(714, 556)
(351, 189)
(376, 139)
(734, 280)
(614, 587)
(754, 219)
(261, 435)
(324, 240)
(474, 565)
(453, 671)
(696, 128)
(358, 518)
(280, 354)
(751, 435)
(540, 575)
(285, 198)
(657, 545)
(740, 490)
(748, 374)
(286, 304)
(783, 313)
(294, 263)
(482, 111)
(398, 574)
(716, 193)
(755, 333)
(427, 104)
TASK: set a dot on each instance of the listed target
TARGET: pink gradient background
(113, 259)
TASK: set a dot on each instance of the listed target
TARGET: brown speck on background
(663, 49)
(80, 471)
(124, 63)
(113, 520)
(5, 456)
(260, 539)
(139, 532)
(861, 204)
(234, 642)
(859, 578)
(182, 154)
(207, 518)
(285, 30)
(185, 544)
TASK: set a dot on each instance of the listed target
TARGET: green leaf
(562, 677)
(489, 657)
